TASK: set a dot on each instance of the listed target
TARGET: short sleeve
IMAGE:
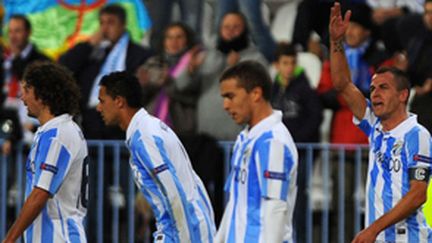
(277, 169)
(54, 162)
(418, 147)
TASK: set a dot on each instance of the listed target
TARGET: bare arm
(340, 72)
(31, 209)
(415, 197)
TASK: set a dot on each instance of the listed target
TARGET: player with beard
(233, 46)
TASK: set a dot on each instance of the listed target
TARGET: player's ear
(120, 101)
(256, 93)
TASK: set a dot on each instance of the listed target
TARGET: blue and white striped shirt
(392, 154)
(56, 163)
(163, 172)
(264, 166)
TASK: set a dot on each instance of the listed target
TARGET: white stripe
(275, 164)
(37, 229)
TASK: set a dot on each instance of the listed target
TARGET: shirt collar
(56, 120)
(264, 125)
(402, 128)
(135, 122)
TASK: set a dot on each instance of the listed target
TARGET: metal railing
(111, 212)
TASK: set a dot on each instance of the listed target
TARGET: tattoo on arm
(338, 47)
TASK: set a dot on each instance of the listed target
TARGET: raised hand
(338, 25)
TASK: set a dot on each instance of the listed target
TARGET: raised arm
(340, 72)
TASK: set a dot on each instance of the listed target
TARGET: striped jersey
(263, 166)
(164, 174)
(392, 154)
(56, 164)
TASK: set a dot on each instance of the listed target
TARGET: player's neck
(394, 121)
(261, 111)
(126, 117)
(44, 116)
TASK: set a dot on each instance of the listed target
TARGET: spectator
(20, 53)
(293, 95)
(301, 114)
(108, 50)
(158, 78)
(206, 67)
(260, 32)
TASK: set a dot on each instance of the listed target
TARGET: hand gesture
(338, 25)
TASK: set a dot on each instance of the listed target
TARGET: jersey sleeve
(419, 148)
(55, 160)
(366, 124)
(278, 169)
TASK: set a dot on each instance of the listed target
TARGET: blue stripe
(262, 144)
(387, 193)
(377, 142)
(61, 219)
(208, 221)
(253, 223)
(74, 235)
(62, 165)
(189, 210)
(412, 142)
(29, 234)
(365, 127)
(42, 149)
(139, 151)
(288, 164)
(235, 183)
(47, 227)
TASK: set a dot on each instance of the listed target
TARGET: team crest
(397, 148)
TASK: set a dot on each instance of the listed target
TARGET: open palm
(338, 25)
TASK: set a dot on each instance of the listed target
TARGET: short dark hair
(285, 49)
(24, 19)
(250, 74)
(125, 85)
(114, 9)
(54, 85)
(400, 77)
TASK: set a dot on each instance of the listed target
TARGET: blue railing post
(309, 216)
(3, 192)
(357, 186)
(341, 195)
(100, 193)
(116, 191)
(131, 208)
(326, 185)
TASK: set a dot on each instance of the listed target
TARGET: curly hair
(55, 86)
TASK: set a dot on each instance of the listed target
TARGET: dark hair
(24, 19)
(190, 35)
(125, 85)
(250, 74)
(54, 85)
(116, 10)
(285, 49)
(400, 77)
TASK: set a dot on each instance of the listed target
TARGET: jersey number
(84, 184)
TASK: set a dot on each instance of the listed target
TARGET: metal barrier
(111, 213)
